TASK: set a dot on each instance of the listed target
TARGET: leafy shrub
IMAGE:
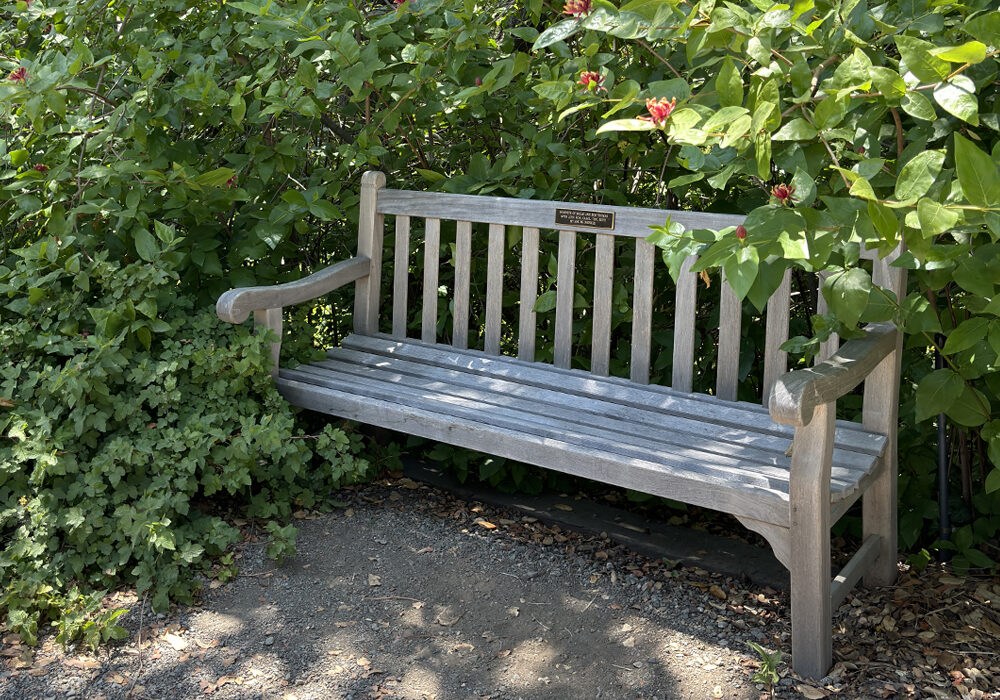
(130, 420)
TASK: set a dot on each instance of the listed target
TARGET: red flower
(231, 182)
(784, 194)
(659, 110)
(591, 81)
(19, 75)
(42, 168)
(741, 232)
(479, 81)
(577, 8)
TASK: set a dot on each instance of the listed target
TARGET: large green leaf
(729, 84)
(937, 392)
(968, 333)
(985, 28)
(919, 60)
(796, 130)
(958, 97)
(846, 294)
(918, 175)
(977, 173)
(741, 270)
(969, 52)
(934, 218)
(626, 125)
(557, 32)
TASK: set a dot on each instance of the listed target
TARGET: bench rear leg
(879, 512)
(812, 616)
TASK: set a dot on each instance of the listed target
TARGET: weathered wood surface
(482, 431)
(629, 221)
(401, 277)
(432, 255)
(809, 534)
(235, 305)
(642, 312)
(565, 292)
(796, 394)
(370, 231)
(775, 334)
(698, 407)
(529, 294)
(730, 330)
(685, 304)
(604, 274)
(860, 563)
(463, 278)
(494, 287)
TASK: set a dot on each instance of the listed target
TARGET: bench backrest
(599, 223)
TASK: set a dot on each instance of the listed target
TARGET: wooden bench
(706, 450)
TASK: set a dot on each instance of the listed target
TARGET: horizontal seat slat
(479, 431)
(666, 429)
(466, 403)
(694, 406)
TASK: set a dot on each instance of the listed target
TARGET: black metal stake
(944, 525)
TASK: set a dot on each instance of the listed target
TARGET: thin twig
(395, 597)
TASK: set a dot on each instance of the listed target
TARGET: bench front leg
(809, 501)
(270, 318)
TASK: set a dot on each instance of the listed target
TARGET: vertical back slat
(565, 289)
(604, 260)
(776, 359)
(642, 311)
(432, 252)
(830, 345)
(529, 293)
(494, 288)
(370, 225)
(401, 276)
(730, 318)
(684, 311)
(463, 255)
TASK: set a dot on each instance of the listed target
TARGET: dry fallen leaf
(176, 642)
(447, 618)
(425, 550)
(487, 525)
(84, 662)
(717, 592)
(563, 506)
(811, 692)
(374, 580)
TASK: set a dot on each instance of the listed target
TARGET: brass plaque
(573, 218)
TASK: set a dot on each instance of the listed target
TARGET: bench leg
(812, 616)
(878, 505)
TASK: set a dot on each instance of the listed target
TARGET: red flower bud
(659, 110)
(479, 81)
(784, 194)
(577, 8)
(42, 168)
(741, 232)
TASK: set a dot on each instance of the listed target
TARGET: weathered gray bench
(707, 450)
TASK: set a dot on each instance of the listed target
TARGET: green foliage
(768, 671)
(128, 420)
(854, 125)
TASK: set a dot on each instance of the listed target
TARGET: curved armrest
(796, 394)
(235, 305)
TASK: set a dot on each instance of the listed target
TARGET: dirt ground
(409, 592)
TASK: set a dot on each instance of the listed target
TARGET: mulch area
(933, 635)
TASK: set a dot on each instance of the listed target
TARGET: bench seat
(687, 446)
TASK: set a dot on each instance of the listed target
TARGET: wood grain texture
(529, 293)
(775, 334)
(235, 305)
(432, 255)
(642, 312)
(558, 453)
(401, 277)
(797, 393)
(809, 532)
(699, 407)
(270, 318)
(565, 291)
(685, 305)
(604, 272)
(370, 231)
(494, 287)
(758, 455)
(776, 536)
(629, 221)
(730, 329)
(463, 279)
(852, 572)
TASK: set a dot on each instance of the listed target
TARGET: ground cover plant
(155, 154)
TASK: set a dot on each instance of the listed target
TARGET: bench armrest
(235, 305)
(796, 394)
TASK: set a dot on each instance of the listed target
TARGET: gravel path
(410, 593)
